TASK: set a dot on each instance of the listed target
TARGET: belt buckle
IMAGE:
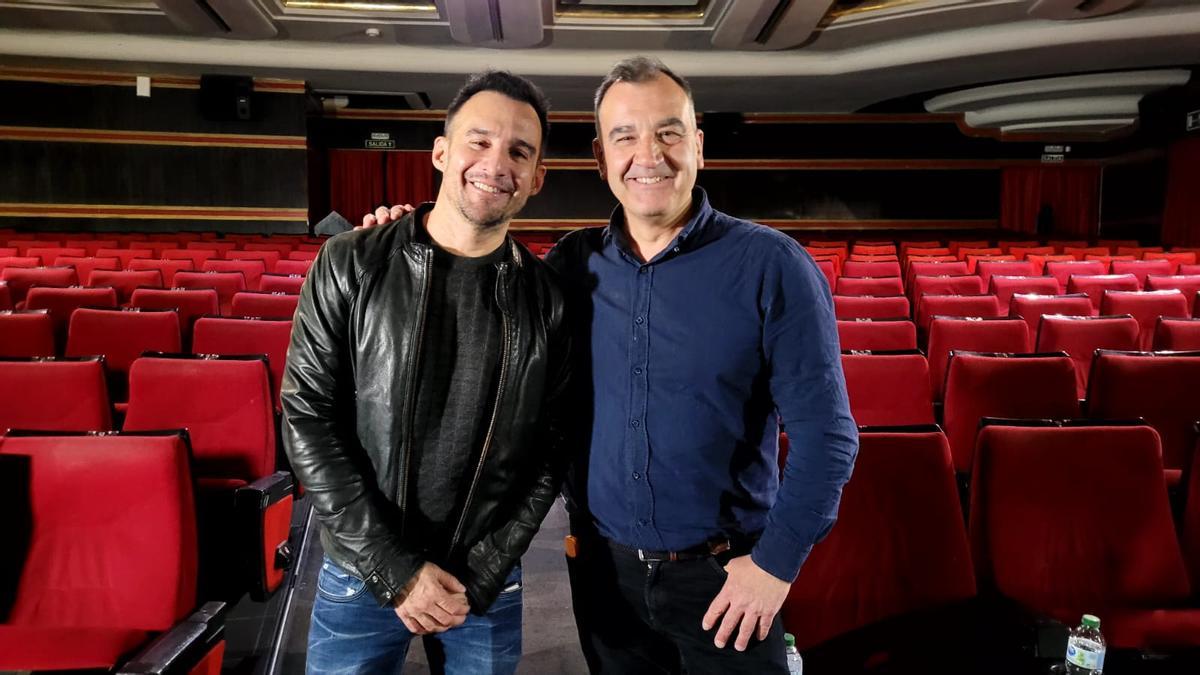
(648, 556)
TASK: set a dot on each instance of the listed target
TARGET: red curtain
(356, 184)
(1181, 212)
(409, 177)
(1072, 192)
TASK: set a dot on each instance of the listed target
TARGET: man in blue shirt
(701, 333)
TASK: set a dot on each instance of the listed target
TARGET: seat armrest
(198, 640)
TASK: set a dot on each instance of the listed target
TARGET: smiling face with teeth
(490, 159)
(650, 150)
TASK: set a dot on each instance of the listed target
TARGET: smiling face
(490, 159)
(649, 149)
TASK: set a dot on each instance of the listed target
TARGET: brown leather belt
(705, 550)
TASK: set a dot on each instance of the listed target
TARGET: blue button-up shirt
(695, 358)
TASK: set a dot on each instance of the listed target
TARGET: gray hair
(636, 69)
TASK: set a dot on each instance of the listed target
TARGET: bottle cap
(1091, 621)
(789, 639)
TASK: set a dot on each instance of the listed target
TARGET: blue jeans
(351, 633)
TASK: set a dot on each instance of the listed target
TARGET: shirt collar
(702, 212)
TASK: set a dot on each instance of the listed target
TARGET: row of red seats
(104, 556)
(1065, 518)
(23, 273)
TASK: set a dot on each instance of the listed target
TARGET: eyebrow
(624, 128)
(668, 122)
(671, 122)
(479, 132)
(525, 144)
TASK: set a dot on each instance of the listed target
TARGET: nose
(648, 153)
(496, 162)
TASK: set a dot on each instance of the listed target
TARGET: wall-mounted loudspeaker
(226, 97)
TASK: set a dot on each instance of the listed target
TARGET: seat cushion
(34, 648)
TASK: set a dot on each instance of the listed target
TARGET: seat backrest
(1004, 287)
(1031, 307)
(1063, 270)
(1023, 253)
(855, 268)
(223, 402)
(1096, 284)
(265, 305)
(219, 247)
(965, 284)
(1141, 268)
(1081, 252)
(870, 307)
(241, 337)
(1006, 335)
(1037, 386)
(26, 334)
(282, 249)
(877, 286)
(828, 267)
(252, 270)
(226, 284)
(888, 388)
(1189, 284)
(1047, 532)
(1081, 336)
(196, 256)
(21, 279)
(121, 508)
(903, 485)
(127, 281)
(123, 335)
(929, 306)
(283, 283)
(303, 254)
(54, 395)
(191, 304)
(1175, 258)
(1012, 268)
(946, 268)
(1146, 307)
(84, 266)
(1159, 387)
(6, 302)
(1177, 334)
(269, 258)
(62, 302)
(877, 335)
(973, 260)
(48, 254)
(125, 255)
(166, 267)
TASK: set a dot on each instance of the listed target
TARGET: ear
(699, 149)
(539, 179)
(598, 153)
(440, 147)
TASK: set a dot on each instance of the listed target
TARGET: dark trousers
(644, 617)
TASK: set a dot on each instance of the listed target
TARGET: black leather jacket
(348, 394)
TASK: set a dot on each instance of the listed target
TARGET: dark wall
(78, 145)
(905, 173)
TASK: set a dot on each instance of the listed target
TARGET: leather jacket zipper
(487, 441)
(410, 403)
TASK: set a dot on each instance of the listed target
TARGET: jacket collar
(416, 238)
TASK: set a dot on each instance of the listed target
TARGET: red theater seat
(125, 255)
(1081, 252)
(54, 395)
(301, 254)
(869, 307)
(1175, 258)
(1010, 268)
(226, 284)
(252, 270)
(1096, 284)
(827, 266)
(1177, 334)
(888, 389)
(929, 306)
(881, 286)
(219, 248)
(1062, 271)
(877, 335)
(21, 279)
(932, 268)
(1146, 307)
(167, 268)
(899, 550)
(243, 337)
(265, 305)
(26, 334)
(855, 268)
(225, 404)
(1159, 387)
(956, 246)
(281, 283)
(301, 267)
(1004, 288)
(1120, 554)
(1023, 253)
(121, 336)
(1081, 336)
(1003, 385)
(967, 284)
(1031, 307)
(196, 256)
(946, 334)
(84, 266)
(1008, 246)
(1141, 268)
(47, 255)
(191, 304)
(62, 302)
(1188, 270)
(7, 262)
(127, 281)
(111, 557)
(973, 260)
(269, 258)
(282, 249)
(1188, 284)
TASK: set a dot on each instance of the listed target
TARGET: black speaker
(226, 98)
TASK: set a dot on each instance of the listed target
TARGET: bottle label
(1079, 655)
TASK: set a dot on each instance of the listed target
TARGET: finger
(412, 626)
(450, 583)
(426, 622)
(749, 623)
(733, 617)
(397, 212)
(443, 618)
(382, 215)
(368, 220)
(715, 610)
(455, 604)
(764, 626)
(409, 208)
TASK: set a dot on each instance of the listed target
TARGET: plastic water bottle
(1085, 648)
(794, 662)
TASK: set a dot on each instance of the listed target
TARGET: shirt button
(634, 423)
(637, 371)
(639, 320)
(643, 270)
(676, 249)
(643, 522)
(636, 475)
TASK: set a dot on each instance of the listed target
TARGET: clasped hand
(433, 601)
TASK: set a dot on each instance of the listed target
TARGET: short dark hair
(513, 86)
(636, 69)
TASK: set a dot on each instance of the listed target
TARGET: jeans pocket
(513, 583)
(717, 566)
(338, 585)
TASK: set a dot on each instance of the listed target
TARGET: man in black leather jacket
(425, 380)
